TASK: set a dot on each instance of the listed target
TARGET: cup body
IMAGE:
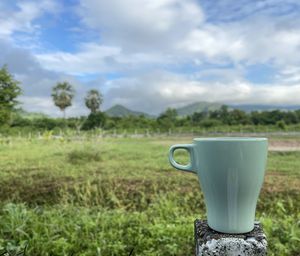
(231, 173)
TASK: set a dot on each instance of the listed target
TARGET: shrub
(209, 123)
(84, 155)
(281, 125)
(94, 120)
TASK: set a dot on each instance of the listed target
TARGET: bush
(84, 155)
(281, 125)
(210, 123)
(94, 120)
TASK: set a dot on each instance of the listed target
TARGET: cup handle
(190, 166)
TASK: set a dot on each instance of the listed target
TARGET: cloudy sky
(153, 54)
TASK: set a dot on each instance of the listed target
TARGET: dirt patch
(172, 141)
(277, 145)
(284, 145)
(279, 182)
(38, 189)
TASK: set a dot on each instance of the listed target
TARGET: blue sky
(153, 54)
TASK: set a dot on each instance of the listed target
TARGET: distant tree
(291, 117)
(93, 100)
(215, 114)
(168, 118)
(9, 91)
(255, 117)
(281, 124)
(197, 117)
(224, 114)
(297, 113)
(209, 122)
(63, 94)
(94, 120)
(236, 117)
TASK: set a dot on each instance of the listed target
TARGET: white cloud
(95, 58)
(36, 104)
(45, 105)
(136, 25)
(91, 58)
(213, 44)
(22, 19)
(144, 34)
(289, 75)
(255, 40)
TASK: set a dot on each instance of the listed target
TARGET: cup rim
(231, 139)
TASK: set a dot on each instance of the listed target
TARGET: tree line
(63, 95)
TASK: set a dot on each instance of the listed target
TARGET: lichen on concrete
(212, 243)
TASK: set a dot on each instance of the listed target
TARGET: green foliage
(272, 117)
(5, 115)
(283, 231)
(221, 120)
(198, 117)
(207, 123)
(238, 117)
(167, 119)
(94, 120)
(281, 124)
(9, 91)
(130, 122)
(62, 95)
(93, 100)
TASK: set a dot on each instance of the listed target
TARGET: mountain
(249, 107)
(121, 111)
(198, 107)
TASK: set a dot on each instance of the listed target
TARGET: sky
(152, 54)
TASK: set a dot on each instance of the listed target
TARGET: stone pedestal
(213, 243)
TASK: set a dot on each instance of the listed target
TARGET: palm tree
(62, 95)
(93, 100)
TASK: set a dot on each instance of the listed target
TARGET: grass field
(109, 196)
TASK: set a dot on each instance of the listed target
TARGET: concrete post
(210, 242)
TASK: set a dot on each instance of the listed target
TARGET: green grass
(285, 162)
(108, 196)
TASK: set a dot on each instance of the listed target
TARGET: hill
(202, 106)
(121, 111)
(249, 107)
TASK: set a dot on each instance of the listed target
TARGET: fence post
(147, 133)
(211, 242)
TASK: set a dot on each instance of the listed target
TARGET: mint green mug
(231, 173)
